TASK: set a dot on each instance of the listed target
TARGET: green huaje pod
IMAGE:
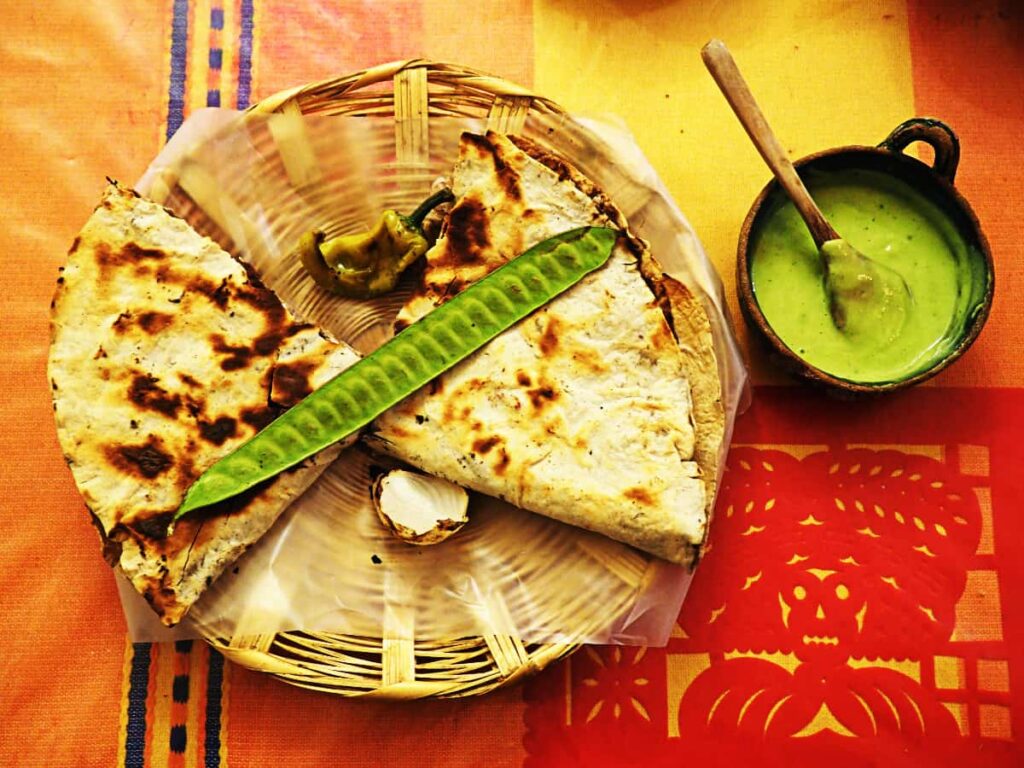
(421, 352)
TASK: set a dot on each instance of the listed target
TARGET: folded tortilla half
(166, 354)
(602, 409)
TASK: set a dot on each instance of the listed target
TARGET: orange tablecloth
(889, 529)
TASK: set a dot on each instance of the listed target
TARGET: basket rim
(340, 85)
(502, 660)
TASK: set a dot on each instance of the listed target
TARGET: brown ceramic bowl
(935, 183)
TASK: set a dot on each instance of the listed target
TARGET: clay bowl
(935, 183)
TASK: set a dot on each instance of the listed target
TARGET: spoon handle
(727, 75)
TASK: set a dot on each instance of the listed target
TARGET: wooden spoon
(867, 300)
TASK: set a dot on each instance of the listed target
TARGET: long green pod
(421, 352)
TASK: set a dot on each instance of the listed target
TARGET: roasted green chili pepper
(424, 350)
(369, 264)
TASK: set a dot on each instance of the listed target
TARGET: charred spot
(146, 459)
(146, 392)
(100, 353)
(218, 293)
(262, 299)
(259, 417)
(150, 322)
(111, 548)
(503, 461)
(541, 396)
(267, 343)
(436, 386)
(640, 496)
(104, 256)
(154, 322)
(252, 277)
(441, 292)
(482, 145)
(485, 444)
(507, 177)
(161, 598)
(509, 181)
(188, 380)
(218, 430)
(292, 382)
(420, 418)
(549, 339)
(523, 378)
(468, 231)
(75, 245)
(235, 355)
(221, 294)
(154, 527)
(134, 252)
(589, 359)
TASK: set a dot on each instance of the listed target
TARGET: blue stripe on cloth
(217, 18)
(214, 683)
(216, 58)
(179, 51)
(245, 56)
(213, 98)
(138, 684)
(178, 739)
(179, 689)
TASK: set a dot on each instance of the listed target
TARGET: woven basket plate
(411, 104)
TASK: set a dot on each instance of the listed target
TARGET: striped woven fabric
(182, 730)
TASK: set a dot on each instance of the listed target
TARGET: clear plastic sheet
(254, 184)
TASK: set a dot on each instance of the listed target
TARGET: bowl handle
(933, 132)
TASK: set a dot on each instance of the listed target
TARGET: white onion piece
(419, 509)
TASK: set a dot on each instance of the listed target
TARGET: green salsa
(891, 223)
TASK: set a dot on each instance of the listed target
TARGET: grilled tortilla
(166, 354)
(602, 409)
